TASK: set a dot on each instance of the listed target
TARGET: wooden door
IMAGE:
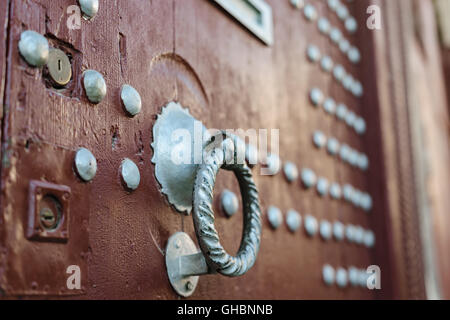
(196, 53)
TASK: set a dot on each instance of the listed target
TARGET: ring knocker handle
(216, 256)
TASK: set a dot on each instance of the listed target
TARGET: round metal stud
(338, 231)
(369, 239)
(310, 12)
(357, 197)
(85, 164)
(322, 187)
(290, 171)
(328, 274)
(342, 12)
(341, 277)
(359, 235)
(298, 4)
(131, 100)
(360, 126)
(353, 157)
(339, 72)
(335, 191)
(351, 25)
(309, 178)
(366, 202)
(59, 67)
(335, 35)
(348, 191)
(313, 53)
(344, 45)
(316, 96)
(363, 162)
(229, 202)
(329, 106)
(130, 174)
(347, 82)
(362, 278)
(326, 64)
(357, 89)
(311, 225)
(333, 146)
(319, 139)
(353, 276)
(344, 152)
(333, 4)
(324, 25)
(275, 217)
(350, 119)
(34, 48)
(341, 111)
(273, 164)
(354, 55)
(350, 233)
(326, 230)
(94, 85)
(293, 220)
(89, 8)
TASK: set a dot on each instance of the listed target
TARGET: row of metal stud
(342, 277)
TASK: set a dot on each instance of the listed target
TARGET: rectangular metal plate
(255, 15)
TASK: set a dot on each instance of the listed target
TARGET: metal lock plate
(59, 67)
(48, 212)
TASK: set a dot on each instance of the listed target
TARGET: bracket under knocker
(183, 260)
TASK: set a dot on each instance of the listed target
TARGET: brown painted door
(195, 53)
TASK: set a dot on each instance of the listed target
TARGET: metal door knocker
(183, 260)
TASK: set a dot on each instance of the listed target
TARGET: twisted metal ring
(216, 256)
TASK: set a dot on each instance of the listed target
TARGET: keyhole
(59, 65)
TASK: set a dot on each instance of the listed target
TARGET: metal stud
(308, 178)
(353, 276)
(335, 191)
(326, 64)
(34, 48)
(324, 25)
(325, 230)
(342, 12)
(350, 119)
(356, 198)
(335, 35)
(322, 187)
(363, 276)
(230, 203)
(347, 82)
(273, 164)
(351, 25)
(298, 4)
(344, 45)
(330, 106)
(251, 154)
(130, 174)
(89, 8)
(353, 55)
(360, 126)
(94, 85)
(131, 100)
(328, 274)
(313, 53)
(311, 225)
(85, 164)
(316, 96)
(319, 139)
(275, 217)
(344, 152)
(341, 111)
(293, 220)
(363, 162)
(338, 231)
(348, 191)
(357, 89)
(353, 157)
(339, 72)
(310, 12)
(369, 239)
(366, 202)
(333, 146)
(359, 235)
(290, 171)
(333, 4)
(341, 277)
(350, 233)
